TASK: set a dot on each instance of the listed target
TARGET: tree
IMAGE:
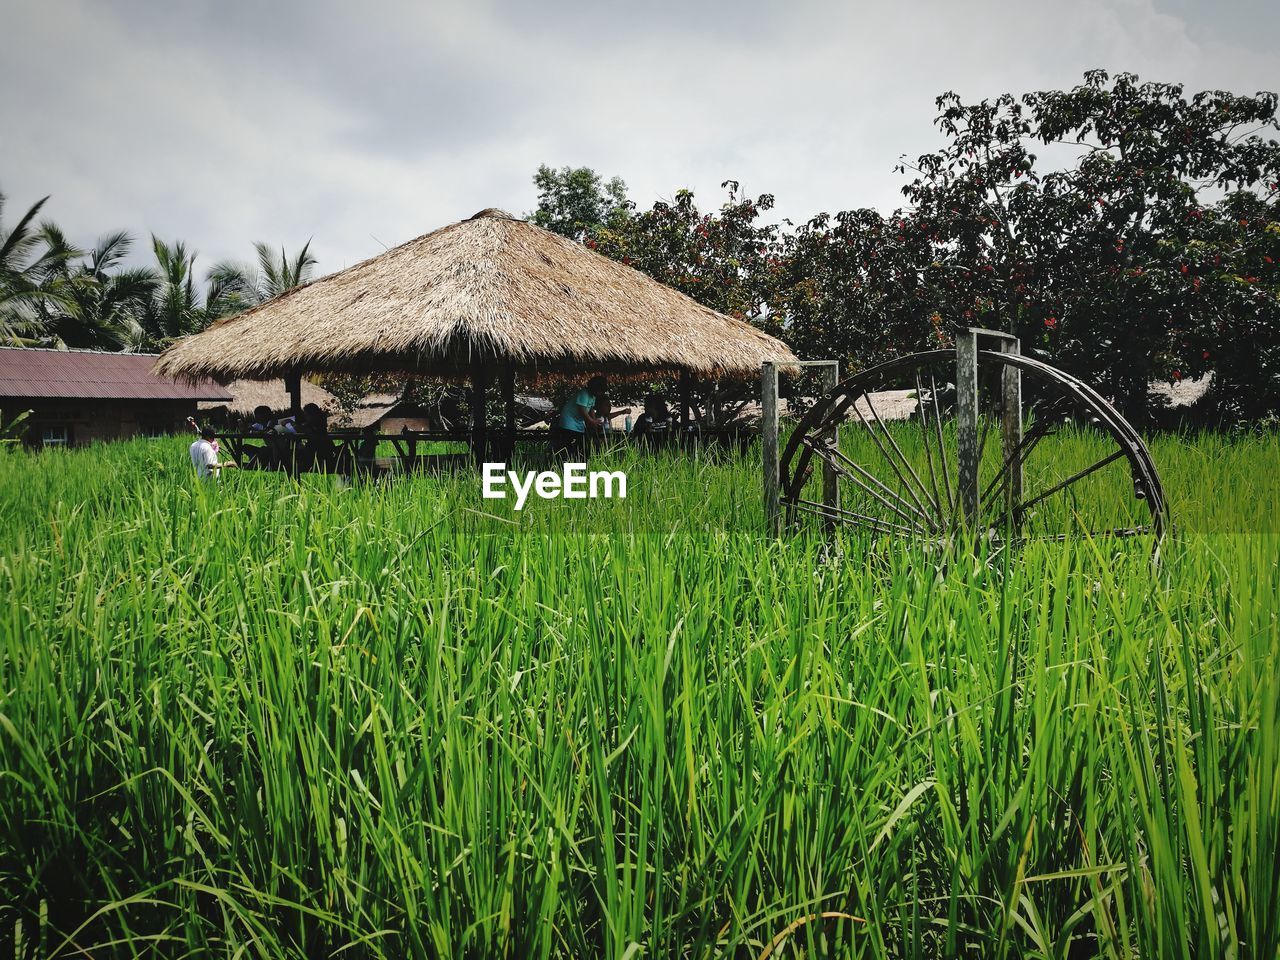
(1228, 281)
(54, 293)
(1118, 267)
(851, 287)
(175, 309)
(27, 272)
(102, 304)
(726, 260)
(575, 201)
(234, 287)
(723, 260)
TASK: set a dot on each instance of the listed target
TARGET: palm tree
(27, 284)
(174, 309)
(104, 307)
(234, 286)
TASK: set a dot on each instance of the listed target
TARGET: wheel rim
(898, 476)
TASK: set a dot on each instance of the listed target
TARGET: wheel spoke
(887, 455)
(840, 514)
(1017, 457)
(1026, 505)
(844, 469)
(903, 458)
(928, 449)
(1044, 427)
(942, 447)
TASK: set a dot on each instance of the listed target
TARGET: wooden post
(1011, 422)
(967, 422)
(830, 479)
(479, 419)
(509, 410)
(293, 384)
(685, 387)
(769, 444)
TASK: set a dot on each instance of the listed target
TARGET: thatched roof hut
(492, 288)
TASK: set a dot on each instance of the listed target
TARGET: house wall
(89, 420)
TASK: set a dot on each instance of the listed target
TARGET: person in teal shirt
(568, 432)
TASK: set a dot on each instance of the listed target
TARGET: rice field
(277, 718)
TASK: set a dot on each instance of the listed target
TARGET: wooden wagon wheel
(985, 440)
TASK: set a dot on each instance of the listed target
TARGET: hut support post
(509, 411)
(686, 387)
(293, 384)
(769, 441)
(479, 413)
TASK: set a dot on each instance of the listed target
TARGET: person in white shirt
(204, 454)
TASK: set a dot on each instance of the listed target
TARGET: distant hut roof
(372, 409)
(30, 372)
(245, 396)
(491, 287)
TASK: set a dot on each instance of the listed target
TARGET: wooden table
(342, 447)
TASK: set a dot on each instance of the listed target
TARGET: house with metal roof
(79, 396)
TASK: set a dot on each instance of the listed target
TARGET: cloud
(362, 125)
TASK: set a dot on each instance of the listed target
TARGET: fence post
(967, 422)
(1011, 423)
(769, 442)
(830, 479)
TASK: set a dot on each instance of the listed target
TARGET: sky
(359, 125)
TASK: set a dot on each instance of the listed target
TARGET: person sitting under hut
(274, 451)
(576, 417)
(321, 454)
(263, 420)
(654, 425)
(605, 412)
(367, 451)
(312, 421)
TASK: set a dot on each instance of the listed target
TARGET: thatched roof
(491, 287)
(368, 411)
(248, 395)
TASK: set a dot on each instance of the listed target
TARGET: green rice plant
(281, 718)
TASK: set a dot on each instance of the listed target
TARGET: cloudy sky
(363, 124)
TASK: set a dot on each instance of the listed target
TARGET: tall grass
(275, 718)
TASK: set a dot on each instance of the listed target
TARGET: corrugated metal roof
(93, 374)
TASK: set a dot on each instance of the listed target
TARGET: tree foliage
(1126, 231)
(55, 294)
(31, 256)
(234, 286)
(577, 201)
(1146, 251)
(102, 302)
(851, 287)
(722, 259)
